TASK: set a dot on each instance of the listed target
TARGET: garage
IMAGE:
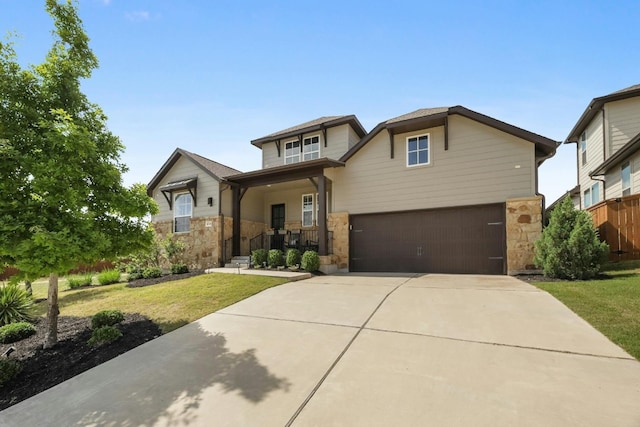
(467, 240)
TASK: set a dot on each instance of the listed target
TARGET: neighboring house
(437, 190)
(607, 138)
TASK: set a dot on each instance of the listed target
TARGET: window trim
(292, 156)
(595, 193)
(303, 153)
(625, 165)
(428, 150)
(175, 211)
(313, 210)
(583, 147)
(587, 197)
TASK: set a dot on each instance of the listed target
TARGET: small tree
(569, 247)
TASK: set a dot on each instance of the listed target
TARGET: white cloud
(138, 16)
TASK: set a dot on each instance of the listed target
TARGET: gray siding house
(436, 190)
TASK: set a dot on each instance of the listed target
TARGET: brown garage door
(453, 240)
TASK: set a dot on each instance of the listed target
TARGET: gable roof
(430, 117)
(594, 108)
(216, 170)
(310, 126)
(626, 151)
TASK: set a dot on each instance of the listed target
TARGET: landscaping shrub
(135, 275)
(259, 257)
(16, 331)
(310, 261)
(108, 277)
(569, 247)
(293, 257)
(15, 305)
(106, 318)
(104, 335)
(275, 258)
(151, 272)
(9, 368)
(79, 280)
(179, 268)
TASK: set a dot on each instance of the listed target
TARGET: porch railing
(308, 240)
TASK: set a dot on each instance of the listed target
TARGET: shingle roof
(594, 108)
(428, 117)
(423, 112)
(304, 125)
(311, 126)
(215, 168)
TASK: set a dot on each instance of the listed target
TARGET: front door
(277, 223)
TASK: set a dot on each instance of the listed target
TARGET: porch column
(323, 234)
(235, 213)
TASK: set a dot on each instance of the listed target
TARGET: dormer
(326, 137)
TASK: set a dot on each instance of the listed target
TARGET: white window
(583, 148)
(182, 210)
(418, 150)
(307, 210)
(292, 152)
(625, 177)
(587, 198)
(595, 193)
(311, 148)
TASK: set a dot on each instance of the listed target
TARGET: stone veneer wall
(524, 227)
(338, 223)
(204, 244)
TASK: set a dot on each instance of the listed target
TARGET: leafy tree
(62, 197)
(569, 247)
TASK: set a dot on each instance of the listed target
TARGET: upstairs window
(418, 150)
(625, 177)
(292, 152)
(183, 209)
(311, 148)
(583, 148)
(587, 198)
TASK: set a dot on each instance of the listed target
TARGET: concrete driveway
(355, 350)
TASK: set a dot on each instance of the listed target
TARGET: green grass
(170, 305)
(611, 305)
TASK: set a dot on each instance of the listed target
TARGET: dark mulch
(42, 369)
(533, 278)
(139, 283)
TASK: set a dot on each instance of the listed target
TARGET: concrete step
(238, 261)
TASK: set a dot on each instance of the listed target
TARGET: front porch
(282, 208)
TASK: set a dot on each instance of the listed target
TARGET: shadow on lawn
(166, 383)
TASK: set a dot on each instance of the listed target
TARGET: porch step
(238, 261)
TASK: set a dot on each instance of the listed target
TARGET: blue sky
(209, 76)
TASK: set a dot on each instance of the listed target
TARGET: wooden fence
(618, 222)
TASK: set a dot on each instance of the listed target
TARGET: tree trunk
(51, 337)
(27, 287)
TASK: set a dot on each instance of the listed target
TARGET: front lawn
(611, 305)
(170, 305)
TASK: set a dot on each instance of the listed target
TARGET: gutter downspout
(538, 163)
(604, 186)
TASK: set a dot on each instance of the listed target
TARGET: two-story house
(436, 190)
(607, 138)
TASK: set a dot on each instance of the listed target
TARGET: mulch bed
(42, 369)
(533, 278)
(139, 283)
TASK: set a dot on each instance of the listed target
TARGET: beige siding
(482, 165)
(614, 181)
(595, 157)
(207, 187)
(623, 120)
(338, 142)
(353, 137)
(251, 207)
(291, 196)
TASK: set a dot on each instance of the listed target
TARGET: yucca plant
(15, 305)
